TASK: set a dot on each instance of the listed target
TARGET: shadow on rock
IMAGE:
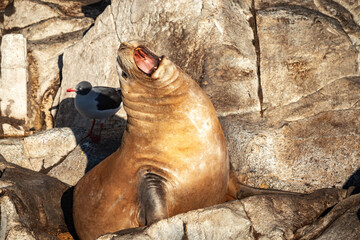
(353, 181)
(95, 9)
(67, 116)
(86, 154)
(67, 207)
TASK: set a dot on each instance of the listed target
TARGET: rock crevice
(253, 24)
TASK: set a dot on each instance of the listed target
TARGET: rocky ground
(282, 75)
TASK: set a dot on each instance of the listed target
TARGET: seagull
(96, 103)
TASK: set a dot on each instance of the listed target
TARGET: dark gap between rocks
(256, 42)
(94, 10)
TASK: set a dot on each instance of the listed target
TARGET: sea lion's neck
(147, 104)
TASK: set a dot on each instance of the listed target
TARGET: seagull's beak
(71, 90)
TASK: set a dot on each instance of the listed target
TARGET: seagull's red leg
(96, 139)
(92, 127)
(90, 132)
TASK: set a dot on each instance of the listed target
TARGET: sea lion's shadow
(67, 208)
(67, 116)
(354, 181)
(95, 153)
(111, 136)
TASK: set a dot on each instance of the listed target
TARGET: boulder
(202, 38)
(62, 153)
(283, 78)
(306, 145)
(307, 136)
(45, 149)
(84, 157)
(51, 27)
(257, 217)
(312, 55)
(342, 222)
(41, 151)
(17, 14)
(13, 86)
(12, 150)
(30, 204)
(346, 226)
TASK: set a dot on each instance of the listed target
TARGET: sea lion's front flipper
(152, 197)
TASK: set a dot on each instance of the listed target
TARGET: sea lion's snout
(136, 59)
(146, 61)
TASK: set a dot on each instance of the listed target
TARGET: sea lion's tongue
(146, 61)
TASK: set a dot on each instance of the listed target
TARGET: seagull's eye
(124, 74)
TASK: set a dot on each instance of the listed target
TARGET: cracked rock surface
(257, 217)
(283, 76)
(30, 204)
(49, 26)
(62, 153)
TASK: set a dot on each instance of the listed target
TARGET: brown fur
(172, 131)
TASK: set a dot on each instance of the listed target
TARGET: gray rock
(311, 108)
(85, 156)
(72, 168)
(312, 55)
(13, 86)
(11, 227)
(279, 216)
(303, 81)
(61, 152)
(347, 226)
(303, 146)
(51, 27)
(18, 16)
(12, 150)
(209, 223)
(97, 65)
(47, 148)
(41, 151)
(335, 222)
(257, 217)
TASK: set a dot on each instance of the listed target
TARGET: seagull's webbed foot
(94, 139)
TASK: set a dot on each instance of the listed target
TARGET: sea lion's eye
(124, 74)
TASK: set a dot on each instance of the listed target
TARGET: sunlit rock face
(13, 81)
(283, 76)
(47, 28)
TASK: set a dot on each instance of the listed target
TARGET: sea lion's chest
(182, 141)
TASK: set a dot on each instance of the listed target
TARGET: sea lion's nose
(124, 45)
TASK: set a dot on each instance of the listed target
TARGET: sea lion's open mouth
(146, 61)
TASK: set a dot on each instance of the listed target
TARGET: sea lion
(172, 158)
